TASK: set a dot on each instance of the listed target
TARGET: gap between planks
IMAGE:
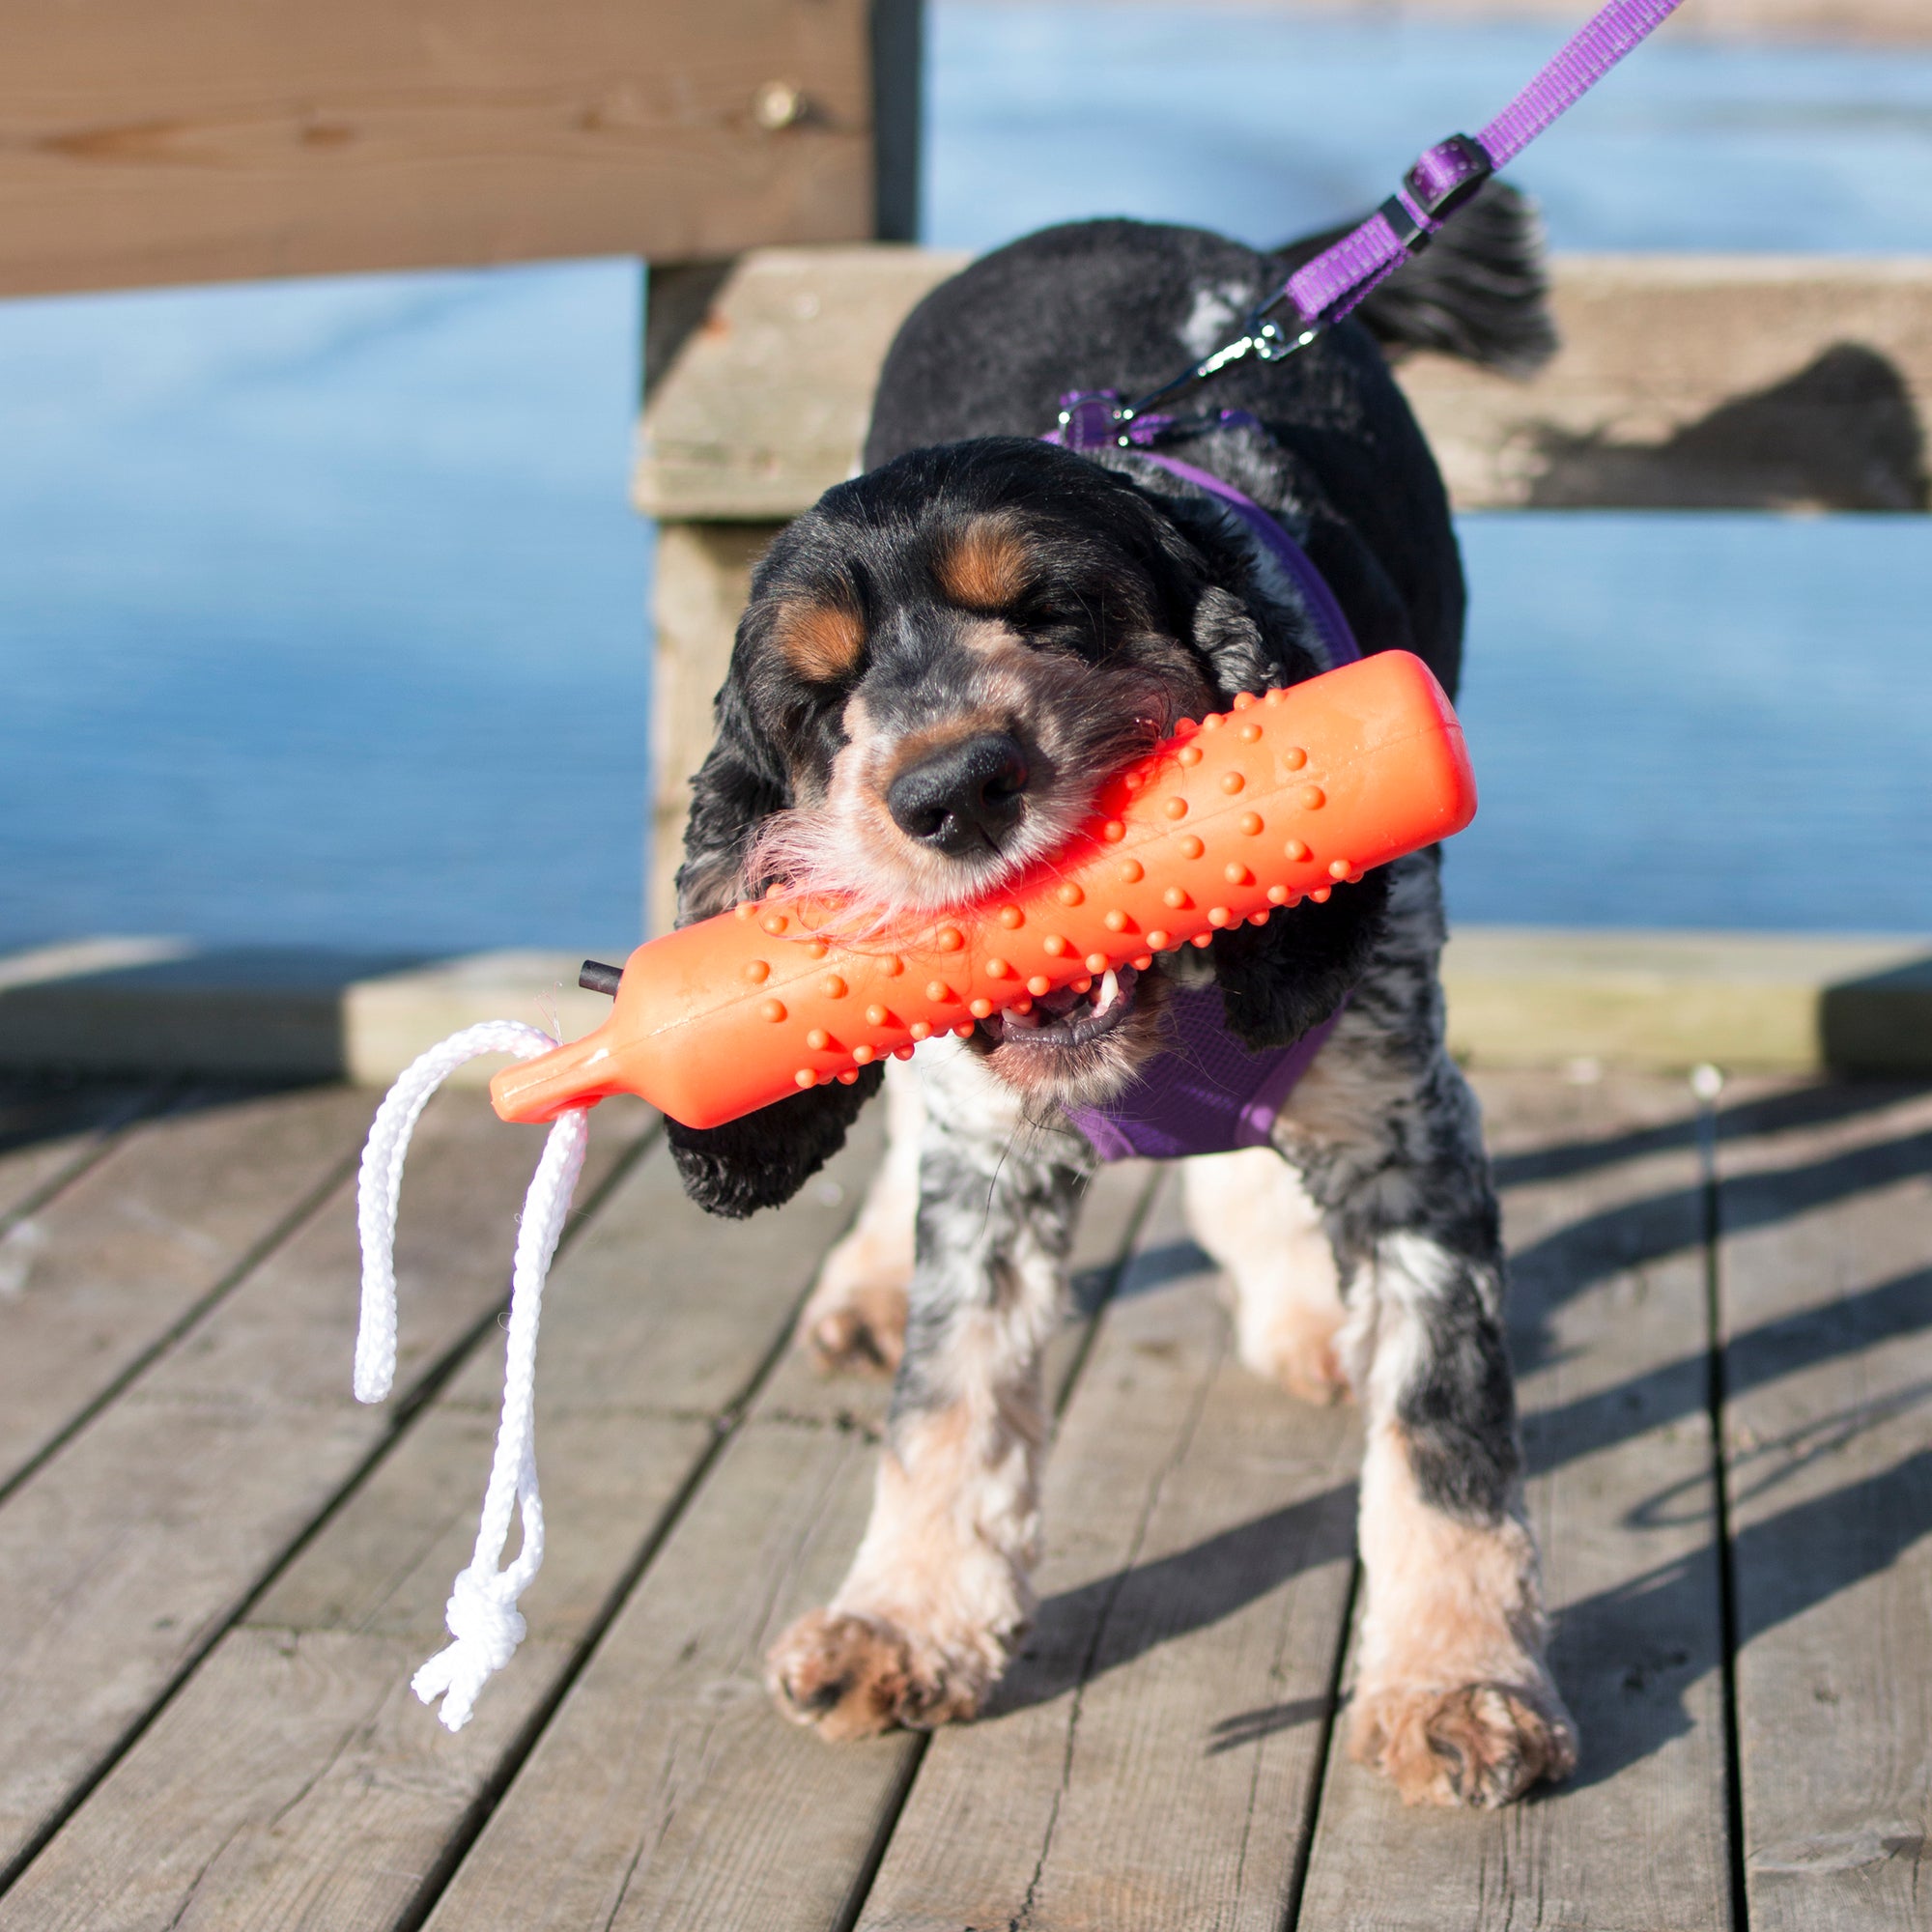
(336, 1794)
(1824, 1210)
(125, 1555)
(1604, 1212)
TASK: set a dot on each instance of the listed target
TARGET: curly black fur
(762, 1160)
(1281, 980)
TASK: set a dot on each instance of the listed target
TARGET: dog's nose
(964, 797)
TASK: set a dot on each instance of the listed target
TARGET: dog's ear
(1228, 636)
(762, 1160)
(738, 786)
(1280, 979)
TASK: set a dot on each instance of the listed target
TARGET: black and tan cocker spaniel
(939, 665)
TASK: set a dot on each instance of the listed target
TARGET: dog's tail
(1478, 291)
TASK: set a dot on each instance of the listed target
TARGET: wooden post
(704, 560)
(758, 385)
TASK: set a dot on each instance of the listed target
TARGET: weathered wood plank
(127, 1552)
(234, 1846)
(1827, 1304)
(217, 140)
(1609, 1334)
(1698, 381)
(48, 1133)
(666, 1792)
(1148, 1763)
(110, 1267)
(334, 1800)
(767, 401)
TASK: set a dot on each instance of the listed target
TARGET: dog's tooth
(1110, 991)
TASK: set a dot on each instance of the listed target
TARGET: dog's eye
(1059, 620)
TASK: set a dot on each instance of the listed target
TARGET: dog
(938, 666)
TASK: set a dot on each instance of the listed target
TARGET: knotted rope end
(482, 1609)
(488, 1627)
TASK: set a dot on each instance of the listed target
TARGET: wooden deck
(218, 1572)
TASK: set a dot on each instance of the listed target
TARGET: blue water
(1264, 124)
(1698, 721)
(322, 615)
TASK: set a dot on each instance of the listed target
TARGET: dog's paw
(1296, 1348)
(1481, 1744)
(853, 1676)
(860, 1326)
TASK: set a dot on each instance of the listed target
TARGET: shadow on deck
(218, 1572)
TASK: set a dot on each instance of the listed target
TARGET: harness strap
(1207, 1092)
(1338, 640)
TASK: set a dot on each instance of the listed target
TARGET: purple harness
(1207, 1092)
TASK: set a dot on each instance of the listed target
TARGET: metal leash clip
(1266, 341)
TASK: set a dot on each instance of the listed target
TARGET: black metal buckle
(1409, 232)
(1451, 198)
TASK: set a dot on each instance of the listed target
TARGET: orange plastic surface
(1282, 798)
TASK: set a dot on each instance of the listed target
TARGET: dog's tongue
(1057, 1004)
(1101, 996)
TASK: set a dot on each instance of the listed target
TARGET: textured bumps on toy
(1284, 797)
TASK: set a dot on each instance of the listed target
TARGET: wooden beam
(765, 403)
(1701, 383)
(1685, 382)
(213, 139)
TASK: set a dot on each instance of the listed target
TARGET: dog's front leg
(1453, 1698)
(923, 1626)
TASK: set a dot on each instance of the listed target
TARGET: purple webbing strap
(1597, 47)
(1338, 640)
(1327, 288)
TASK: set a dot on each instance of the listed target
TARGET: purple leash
(1322, 292)
(1443, 177)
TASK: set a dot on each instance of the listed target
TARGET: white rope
(482, 1612)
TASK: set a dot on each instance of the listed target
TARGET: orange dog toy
(1279, 799)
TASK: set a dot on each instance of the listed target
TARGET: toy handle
(1282, 798)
